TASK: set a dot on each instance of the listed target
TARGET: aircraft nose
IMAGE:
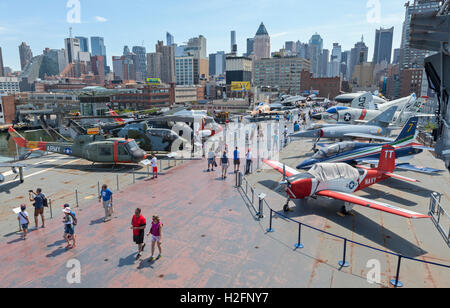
(307, 164)
(139, 155)
(317, 117)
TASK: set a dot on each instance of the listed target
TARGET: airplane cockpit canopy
(335, 149)
(334, 110)
(328, 172)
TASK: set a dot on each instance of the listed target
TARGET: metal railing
(439, 216)
(344, 262)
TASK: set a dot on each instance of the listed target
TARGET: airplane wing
(12, 165)
(367, 136)
(279, 167)
(409, 167)
(401, 166)
(376, 205)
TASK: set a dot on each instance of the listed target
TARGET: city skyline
(48, 27)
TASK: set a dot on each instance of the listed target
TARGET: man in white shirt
(155, 166)
(24, 221)
(211, 160)
(248, 162)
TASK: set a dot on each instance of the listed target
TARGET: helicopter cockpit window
(122, 150)
(132, 146)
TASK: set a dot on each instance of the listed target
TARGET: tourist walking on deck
(155, 166)
(39, 203)
(107, 196)
(236, 160)
(211, 160)
(138, 225)
(248, 165)
(156, 232)
(224, 162)
(24, 221)
(69, 222)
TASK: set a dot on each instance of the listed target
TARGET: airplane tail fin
(364, 101)
(387, 159)
(385, 118)
(18, 138)
(114, 114)
(408, 131)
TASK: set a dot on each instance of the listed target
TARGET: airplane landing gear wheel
(286, 208)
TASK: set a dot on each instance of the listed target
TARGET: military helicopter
(94, 148)
(153, 139)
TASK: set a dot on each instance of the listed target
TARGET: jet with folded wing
(339, 181)
(377, 129)
(369, 153)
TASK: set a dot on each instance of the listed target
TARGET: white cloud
(279, 34)
(100, 19)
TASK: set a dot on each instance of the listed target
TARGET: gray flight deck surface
(210, 237)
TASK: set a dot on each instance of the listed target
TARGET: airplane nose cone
(307, 164)
(317, 117)
(139, 156)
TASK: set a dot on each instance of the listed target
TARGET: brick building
(327, 87)
(147, 97)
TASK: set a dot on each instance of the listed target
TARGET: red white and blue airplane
(369, 153)
(339, 181)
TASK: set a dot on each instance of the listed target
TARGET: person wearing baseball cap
(69, 222)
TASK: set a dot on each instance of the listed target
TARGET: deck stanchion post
(395, 282)
(51, 210)
(344, 263)
(134, 177)
(299, 243)
(76, 196)
(117, 180)
(270, 230)
(98, 188)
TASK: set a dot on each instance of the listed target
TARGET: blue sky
(44, 23)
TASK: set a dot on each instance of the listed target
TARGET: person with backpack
(24, 221)
(156, 232)
(69, 222)
(224, 161)
(40, 201)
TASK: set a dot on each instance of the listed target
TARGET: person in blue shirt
(236, 160)
(296, 127)
(39, 198)
(107, 196)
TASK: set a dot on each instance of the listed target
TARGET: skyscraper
(72, 49)
(315, 48)
(154, 65)
(383, 45)
(261, 45)
(140, 62)
(99, 49)
(233, 40)
(197, 47)
(84, 43)
(217, 63)
(2, 70)
(25, 54)
(170, 39)
(290, 47)
(359, 54)
(396, 59)
(323, 63)
(167, 62)
(250, 46)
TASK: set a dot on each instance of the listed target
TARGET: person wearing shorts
(155, 167)
(236, 160)
(138, 225)
(211, 160)
(38, 204)
(156, 233)
(69, 228)
(107, 196)
(24, 221)
(224, 164)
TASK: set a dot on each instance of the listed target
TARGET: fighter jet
(340, 181)
(369, 153)
(94, 148)
(16, 168)
(377, 129)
